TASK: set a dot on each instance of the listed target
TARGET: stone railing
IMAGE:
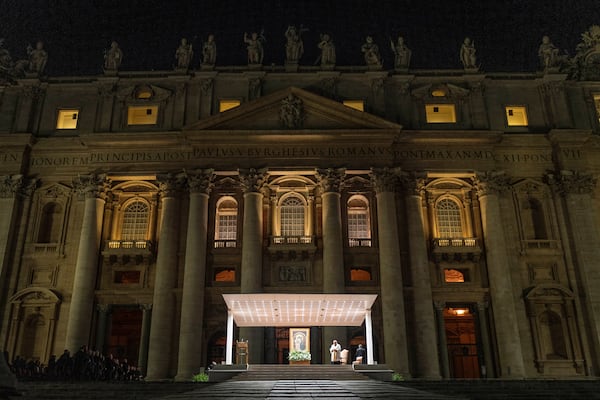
(225, 244)
(360, 242)
(456, 248)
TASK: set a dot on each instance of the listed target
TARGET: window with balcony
(226, 222)
(448, 219)
(359, 225)
(292, 217)
(135, 221)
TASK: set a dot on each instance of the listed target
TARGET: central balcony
(456, 249)
(292, 247)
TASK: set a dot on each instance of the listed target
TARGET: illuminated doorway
(216, 348)
(125, 333)
(282, 336)
(461, 342)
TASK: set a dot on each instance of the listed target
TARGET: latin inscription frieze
(395, 154)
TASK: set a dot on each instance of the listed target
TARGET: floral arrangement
(295, 355)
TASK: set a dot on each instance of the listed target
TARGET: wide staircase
(273, 372)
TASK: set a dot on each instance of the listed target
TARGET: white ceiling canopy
(295, 310)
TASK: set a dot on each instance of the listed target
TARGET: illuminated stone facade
(465, 201)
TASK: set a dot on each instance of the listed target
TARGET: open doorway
(461, 342)
(125, 333)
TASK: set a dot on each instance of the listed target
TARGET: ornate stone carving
(402, 54)
(254, 88)
(329, 87)
(10, 185)
(490, 183)
(92, 185)
(371, 53)
(32, 92)
(113, 57)
(206, 86)
(468, 57)
(584, 65)
(291, 113)
(252, 180)
(103, 308)
(294, 48)
(327, 56)
(439, 305)
(169, 184)
(184, 55)
(572, 182)
(209, 51)
(292, 274)
(377, 86)
(413, 184)
(331, 179)
(385, 179)
(106, 90)
(29, 187)
(200, 181)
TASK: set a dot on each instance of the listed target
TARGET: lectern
(241, 352)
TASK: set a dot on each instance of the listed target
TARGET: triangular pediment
(292, 109)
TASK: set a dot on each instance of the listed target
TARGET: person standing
(334, 350)
(361, 352)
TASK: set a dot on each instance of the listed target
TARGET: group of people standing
(337, 354)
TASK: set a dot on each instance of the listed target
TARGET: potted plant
(299, 357)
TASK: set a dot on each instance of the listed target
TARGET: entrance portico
(299, 310)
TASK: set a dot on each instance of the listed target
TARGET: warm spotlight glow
(225, 105)
(356, 104)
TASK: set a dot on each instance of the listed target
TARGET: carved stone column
(103, 311)
(94, 189)
(425, 332)
(9, 189)
(252, 248)
(485, 340)
(576, 190)
(501, 287)
(441, 332)
(145, 337)
(163, 303)
(192, 303)
(331, 181)
(392, 289)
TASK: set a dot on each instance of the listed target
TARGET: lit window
(356, 104)
(292, 217)
(224, 275)
(67, 119)
(359, 227)
(127, 277)
(440, 113)
(144, 93)
(448, 219)
(456, 275)
(516, 116)
(226, 220)
(360, 274)
(142, 115)
(135, 221)
(225, 105)
(597, 104)
(438, 93)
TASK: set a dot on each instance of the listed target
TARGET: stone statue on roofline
(402, 54)
(254, 46)
(327, 56)
(209, 52)
(294, 47)
(113, 57)
(38, 57)
(468, 58)
(585, 65)
(184, 55)
(371, 53)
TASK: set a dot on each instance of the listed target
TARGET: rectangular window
(440, 113)
(142, 115)
(516, 116)
(356, 104)
(127, 277)
(67, 119)
(224, 274)
(225, 105)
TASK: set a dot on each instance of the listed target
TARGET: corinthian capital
(412, 183)
(572, 182)
(200, 181)
(331, 179)
(385, 179)
(169, 184)
(252, 180)
(92, 185)
(10, 185)
(488, 183)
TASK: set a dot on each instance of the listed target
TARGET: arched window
(135, 221)
(50, 226)
(226, 220)
(292, 217)
(359, 226)
(448, 219)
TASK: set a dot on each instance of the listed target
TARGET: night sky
(507, 33)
